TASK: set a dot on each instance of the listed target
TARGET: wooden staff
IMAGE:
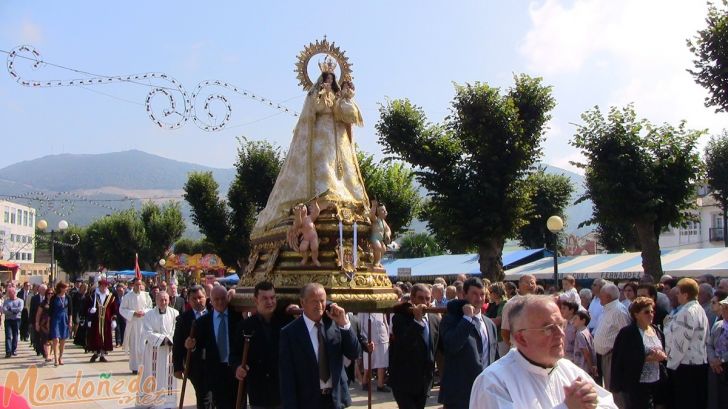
(369, 359)
(240, 402)
(186, 372)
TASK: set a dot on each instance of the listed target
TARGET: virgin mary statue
(321, 160)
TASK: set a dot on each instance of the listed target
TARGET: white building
(17, 232)
(705, 233)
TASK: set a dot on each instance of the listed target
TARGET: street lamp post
(555, 225)
(62, 225)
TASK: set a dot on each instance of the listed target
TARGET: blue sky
(593, 52)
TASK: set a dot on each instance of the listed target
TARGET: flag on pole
(137, 270)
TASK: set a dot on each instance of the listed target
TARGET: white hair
(585, 293)
(611, 290)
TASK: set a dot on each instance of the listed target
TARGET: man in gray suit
(470, 342)
(175, 301)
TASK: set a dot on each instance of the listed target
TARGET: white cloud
(30, 33)
(640, 44)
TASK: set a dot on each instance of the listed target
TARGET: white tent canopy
(622, 266)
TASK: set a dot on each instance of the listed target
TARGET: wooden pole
(186, 373)
(432, 310)
(369, 359)
(240, 402)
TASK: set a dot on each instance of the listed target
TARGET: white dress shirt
(313, 335)
(614, 317)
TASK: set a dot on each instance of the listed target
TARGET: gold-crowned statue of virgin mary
(317, 223)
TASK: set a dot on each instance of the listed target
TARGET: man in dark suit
(415, 337)
(34, 304)
(470, 343)
(214, 335)
(311, 355)
(263, 328)
(198, 300)
(25, 295)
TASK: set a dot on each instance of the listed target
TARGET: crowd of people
(487, 345)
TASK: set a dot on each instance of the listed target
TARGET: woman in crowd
(639, 356)
(630, 293)
(717, 347)
(568, 309)
(60, 321)
(497, 295)
(42, 324)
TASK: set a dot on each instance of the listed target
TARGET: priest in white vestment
(534, 375)
(134, 305)
(158, 387)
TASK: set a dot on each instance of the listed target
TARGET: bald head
(219, 298)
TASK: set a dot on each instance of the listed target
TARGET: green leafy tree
(163, 225)
(113, 240)
(639, 175)
(189, 246)
(227, 224)
(716, 163)
(550, 194)
(710, 48)
(474, 164)
(392, 184)
(418, 245)
(69, 258)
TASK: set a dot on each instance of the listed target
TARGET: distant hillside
(133, 170)
(82, 188)
(95, 184)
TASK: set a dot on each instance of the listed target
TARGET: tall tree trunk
(491, 263)
(725, 225)
(651, 261)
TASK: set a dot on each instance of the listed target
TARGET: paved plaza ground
(101, 379)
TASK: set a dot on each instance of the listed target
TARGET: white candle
(354, 248)
(341, 243)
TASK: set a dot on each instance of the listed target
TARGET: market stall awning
(229, 280)
(679, 263)
(126, 273)
(451, 264)
(8, 266)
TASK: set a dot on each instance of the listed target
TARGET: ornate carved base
(354, 284)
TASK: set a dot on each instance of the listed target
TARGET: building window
(20, 217)
(6, 215)
(12, 217)
(25, 218)
(690, 229)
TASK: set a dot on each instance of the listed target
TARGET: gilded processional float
(319, 224)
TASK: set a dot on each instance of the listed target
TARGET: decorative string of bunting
(74, 240)
(216, 108)
(62, 204)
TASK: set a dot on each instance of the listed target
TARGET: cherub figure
(304, 227)
(381, 234)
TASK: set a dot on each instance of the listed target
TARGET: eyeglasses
(648, 312)
(550, 329)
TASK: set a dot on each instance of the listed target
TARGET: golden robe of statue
(321, 159)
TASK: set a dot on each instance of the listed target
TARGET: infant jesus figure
(304, 227)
